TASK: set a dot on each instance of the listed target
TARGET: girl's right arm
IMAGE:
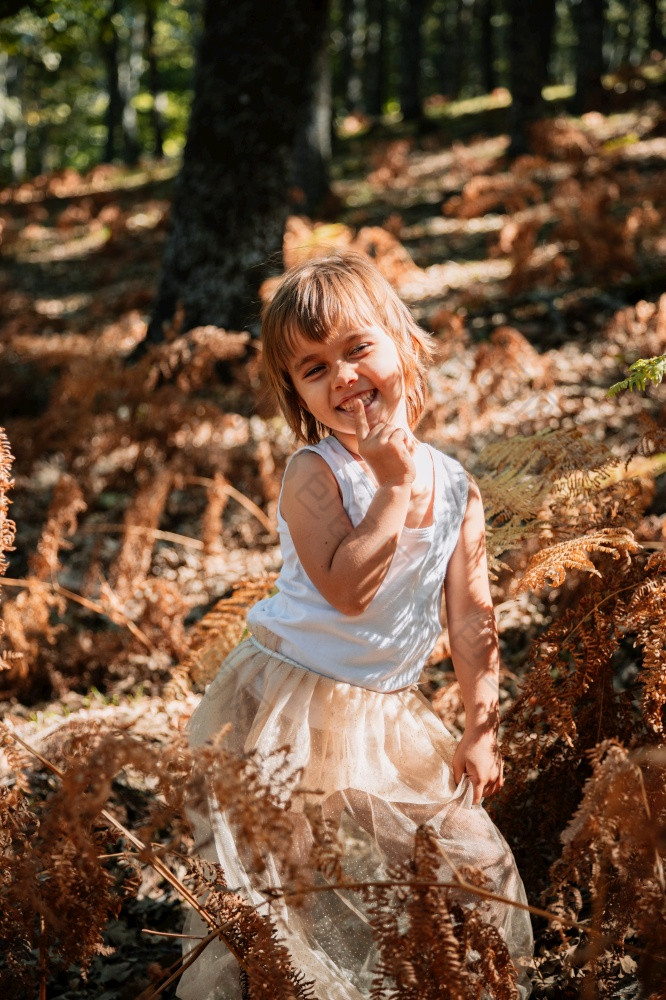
(347, 565)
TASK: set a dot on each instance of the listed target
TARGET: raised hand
(387, 449)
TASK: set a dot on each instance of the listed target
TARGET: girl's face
(357, 361)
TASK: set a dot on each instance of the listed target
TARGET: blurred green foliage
(54, 93)
(90, 81)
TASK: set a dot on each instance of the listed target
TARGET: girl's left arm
(475, 652)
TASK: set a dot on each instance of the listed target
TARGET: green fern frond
(640, 373)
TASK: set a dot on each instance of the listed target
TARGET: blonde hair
(313, 300)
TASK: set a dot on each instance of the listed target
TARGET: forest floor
(541, 281)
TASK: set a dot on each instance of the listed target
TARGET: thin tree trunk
(109, 46)
(150, 57)
(230, 200)
(18, 157)
(450, 58)
(529, 51)
(375, 56)
(588, 16)
(488, 75)
(312, 152)
(632, 38)
(656, 39)
(411, 49)
(354, 26)
(130, 71)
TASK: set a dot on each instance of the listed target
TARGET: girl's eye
(359, 347)
(313, 371)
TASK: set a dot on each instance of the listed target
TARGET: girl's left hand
(478, 756)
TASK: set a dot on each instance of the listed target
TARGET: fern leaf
(213, 638)
(548, 567)
(7, 527)
(640, 373)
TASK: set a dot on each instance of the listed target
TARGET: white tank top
(386, 646)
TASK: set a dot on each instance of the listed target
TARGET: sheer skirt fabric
(383, 765)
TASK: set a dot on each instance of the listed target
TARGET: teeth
(348, 406)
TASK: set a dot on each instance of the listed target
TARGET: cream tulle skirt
(383, 763)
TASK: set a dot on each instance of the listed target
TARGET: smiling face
(354, 362)
(317, 306)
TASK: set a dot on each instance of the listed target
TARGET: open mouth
(366, 398)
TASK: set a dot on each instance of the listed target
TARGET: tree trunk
(230, 199)
(109, 45)
(530, 41)
(375, 56)
(410, 70)
(588, 17)
(129, 78)
(656, 40)
(450, 57)
(353, 14)
(150, 57)
(488, 75)
(14, 81)
(312, 152)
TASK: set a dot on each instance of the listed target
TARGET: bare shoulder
(309, 487)
(473, 493)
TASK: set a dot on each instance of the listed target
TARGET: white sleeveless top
(385, 647)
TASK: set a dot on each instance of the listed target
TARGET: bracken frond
(641, 372)
(7, 527)
(548, 567)
(141, 517)
(213, 638)
(61, 521)
(613, 847)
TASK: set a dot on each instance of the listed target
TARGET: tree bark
(129, 77)
(14, 81)
(488, 75)
(375, 56)
(109, 45)
(312, 152)
(656, 39)
(150, 57)
(450, 56)
(588, 17)
(411, 49)
(230, 199)
(353, 26)
(530, 41)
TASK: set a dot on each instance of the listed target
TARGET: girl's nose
(345, 374)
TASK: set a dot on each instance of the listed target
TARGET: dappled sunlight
(145, 493)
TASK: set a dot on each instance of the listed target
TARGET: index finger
(361, 421)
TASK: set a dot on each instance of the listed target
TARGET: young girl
(375, 528)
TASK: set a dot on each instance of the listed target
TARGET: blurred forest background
(502, 162)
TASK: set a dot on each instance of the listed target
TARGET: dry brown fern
(142, 516)
(603, 243)
(424, 935)
(7, 526)
(56, 890)
(529, 483)
(507, 193)
(583, 683)
(646, 619)
(548, 567)
(614, 854)
(217, 498)
(213, 638)
(61, 522)
(189, 360)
